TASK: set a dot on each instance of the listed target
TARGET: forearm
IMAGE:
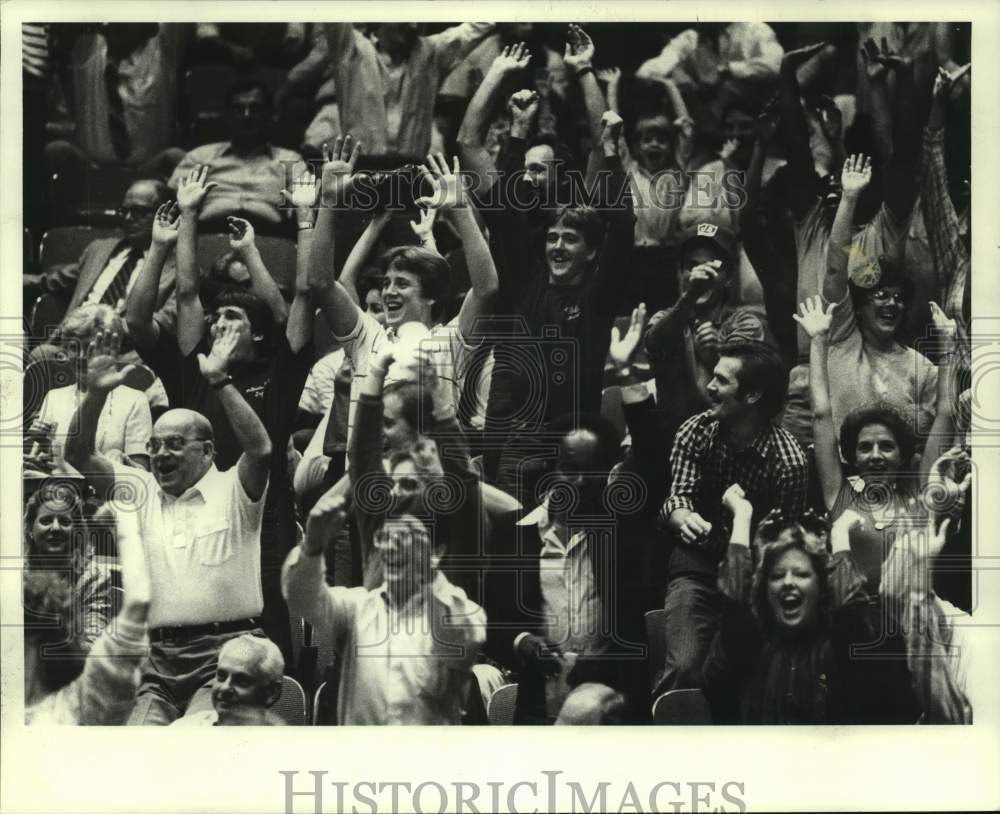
(319, 266)
(824, 435)
(878, 95)
(300, 315)
(835, 280)
(81, 437)
(365, 458)
(942, 431)
(190, 316)
(819, 384)
(472, 131)
(792, 125)
(302, 582)
(740, 534)
(263, 284)
(899, 188)
(360, 253)
(140, 304)
(247, 427)
(479, 260)
(595, 104)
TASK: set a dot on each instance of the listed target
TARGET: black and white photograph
(567, 370)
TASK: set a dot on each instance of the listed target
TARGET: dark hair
(163, 193)
(430, 268)
(242, 86)
(48, 621)
(260, 316)
(763, 371)
(584, 219)
(560, 152)
(219, 270)
(769, 555)
(856, 420)
(369, 279)
(416, 404)
(892, 275)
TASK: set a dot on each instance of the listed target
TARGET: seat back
(656, 627)
(502, 704)
(324, 711)
(65, 244)
(612, 410)
(291, 704)
(682, 708)
(89, 196)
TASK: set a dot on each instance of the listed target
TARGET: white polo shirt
(203, 548)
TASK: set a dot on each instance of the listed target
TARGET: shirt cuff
(519, 638)
(674, 503)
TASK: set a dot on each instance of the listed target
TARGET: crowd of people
(603, 373)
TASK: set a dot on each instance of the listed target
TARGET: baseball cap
(719, 236)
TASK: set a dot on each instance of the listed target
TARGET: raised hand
(448, 191)
(510, 59)
(623, 348)
(792, 59)
(944, 81)
(878, 61)
(612, 130)
(814, 319)
(579, 52)
(424, 229)
(165, 224)
(729, 147)
(947, 484)
(241, 234)
(325, 521)
(703, 278)
(857, 175)
(192, 189)
(734, 499)
(102, 374)
(338, 169)
(303, 195)
(610, 76)
(944, 326)
(840, 531)
(706, 342)
(522, 106)
(215, 367)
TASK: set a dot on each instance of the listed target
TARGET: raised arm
(815, 321)
(795, 129)
(449, 195)
(303, 197)
(614, 263)
(247, 426)
(191, 191)
(736, 570)
(140, 304)
(856, 176)
(951, 258)
(579, 58)
(242, 241)
(360, 253)
(339, 309)
(472, 133)
(942, 431)
(101, 378)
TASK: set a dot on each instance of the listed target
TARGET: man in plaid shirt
(735, 441)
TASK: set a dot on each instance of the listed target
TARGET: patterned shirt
(771, 469)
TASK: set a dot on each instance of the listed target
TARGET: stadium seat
(656, 639)
(682, 708)
(291, 705)
(502, 704)
(611, 409)
(46, 315)
(65, 244)
(324, 711)
(89, 196)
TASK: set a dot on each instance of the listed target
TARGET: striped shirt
(772, 470)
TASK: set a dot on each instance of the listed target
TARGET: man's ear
(210, 448)
(752, 398)
(273, 694)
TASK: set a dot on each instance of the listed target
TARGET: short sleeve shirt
(123, 427)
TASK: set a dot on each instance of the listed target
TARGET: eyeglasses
(134, 212)
(384, 539)
(882, 295)
(172, 443)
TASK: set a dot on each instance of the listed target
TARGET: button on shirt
(203, 548)
(406, 665)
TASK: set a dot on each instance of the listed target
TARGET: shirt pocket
(212, 542)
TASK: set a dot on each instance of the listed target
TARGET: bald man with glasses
(201, 528)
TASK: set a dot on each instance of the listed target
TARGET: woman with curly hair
(881, 481)
(57, 539)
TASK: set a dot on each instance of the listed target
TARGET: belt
(163, 634)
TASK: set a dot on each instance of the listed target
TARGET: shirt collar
(210, 487)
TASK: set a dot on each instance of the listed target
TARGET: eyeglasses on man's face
(172, 443)
(135, 212)
(883, 296)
